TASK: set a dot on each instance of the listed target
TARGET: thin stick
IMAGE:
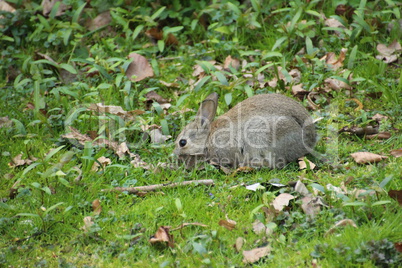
(134, 190)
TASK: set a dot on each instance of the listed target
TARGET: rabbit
(267, 130)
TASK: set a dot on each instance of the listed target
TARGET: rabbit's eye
(182, 143)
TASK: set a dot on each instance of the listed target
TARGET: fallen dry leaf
(335, 62)
(301, 188)
(17, 161)
(379, 117)
(389, 53)
(166, 84)
(139, 67)
(157, 137)
(231, 62)
(254, 187)
(96, 207)
(303, 165)
(239, 243)
(104, 161)
(258, 227)
(101, 108)
(360, 131)
(199, 71)
(282, 201)
(254, 255)
(88, 222)
(99, 21)
(396, 153)
(47, 6)
(367, 157)
(228, 224)
(344, 222)
(4, 6)
(381, 136)
(155, 34)
(397, 195)
(336, 84)
(312, 205)
(162, 236)
(299, 91)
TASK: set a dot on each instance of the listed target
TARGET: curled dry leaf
(367, 157)
(4, 6)
(397, 195)
(228, 224)
(335, 62)
(96, 207)
(99, 21)
(345, 222)
(254, 255)
(360, 131)
(162, 236)
(155, 34)
(18, 161)
(239, 243)
(139, 67)
(254, 187)
(298, 91)
(303, 165)
(104, 161)
(389, 53)
(282, 201)
(396, 153)
(398, 246)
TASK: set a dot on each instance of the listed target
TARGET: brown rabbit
(268, 130)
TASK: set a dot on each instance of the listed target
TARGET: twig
(134, 190)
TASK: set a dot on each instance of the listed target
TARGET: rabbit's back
(264, 130)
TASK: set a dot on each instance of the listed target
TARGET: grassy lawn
(94, 93)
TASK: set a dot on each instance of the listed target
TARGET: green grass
(42, 217)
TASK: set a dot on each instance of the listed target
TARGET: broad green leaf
(228, 98)
(201, 82)
(178, 204)
(352, 57)
(355, 204)
(157, 13)
(19, 127)
(27, 215)
(136, 32)
(279, 42)
(77, 13)
(165, 127)
(53, 152)
(223, 29)
(221, 77)
(161, 45)
(68, 68)
(272, 54)
(53, 207)
(380, 203)
(385, 181)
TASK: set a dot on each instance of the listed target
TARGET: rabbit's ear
(206, 112)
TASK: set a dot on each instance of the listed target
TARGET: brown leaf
(104, 161)
(162, 236)
(99, 21)
(139, 67)
(166, 84)
(344, 222)
(379, 117)
(335, 62)
(157, 137)
(299, 91)
(398, 246)
(396, 153)
(155, 34)
(96, 207)
(4, 6)
(312, 205)
(397, 195)
(389, 53)
(47, 6)
(230, 62)
(282, 201)
(258, 227)
(381, 136)
(345, 10)
(254, 255)
(367, 157)
(360, 131)
(239, 243)
(199, 71)
(153, 96)
(336, 84)
(301, 188)
(228, 224)
(303, 164)
(18, 161)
